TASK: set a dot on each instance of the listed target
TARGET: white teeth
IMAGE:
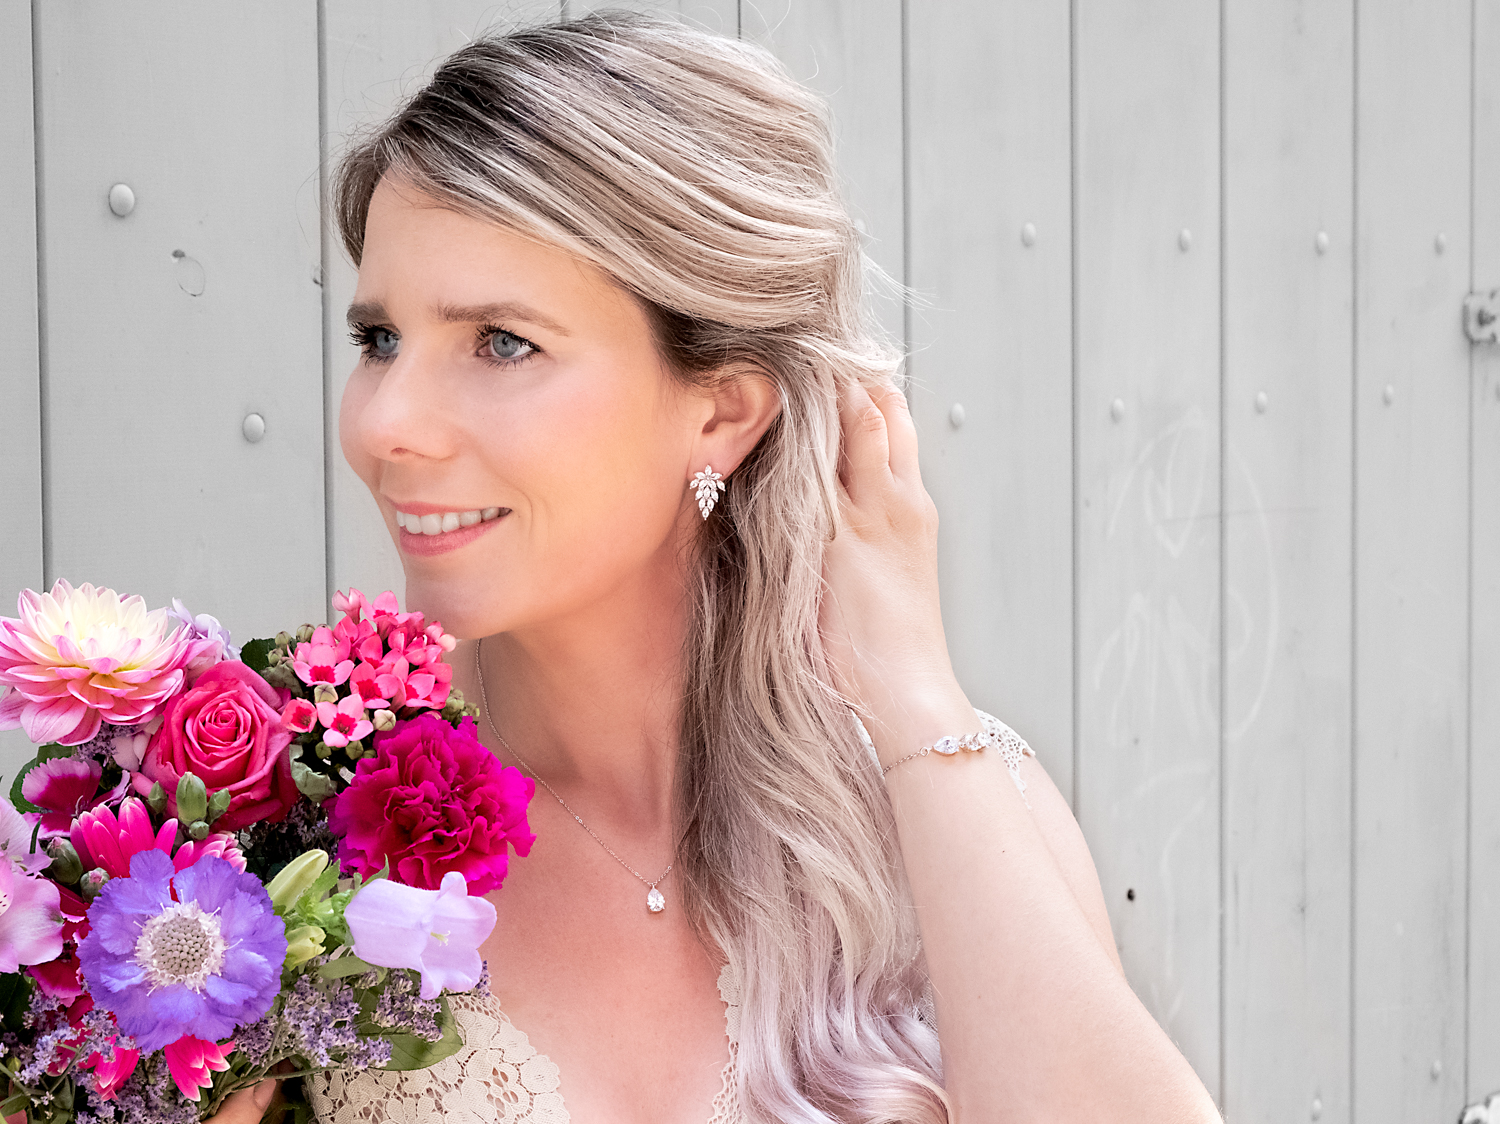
(446, 521)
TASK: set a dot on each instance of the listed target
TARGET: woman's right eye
(376, 343)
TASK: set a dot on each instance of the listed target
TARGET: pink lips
(447, 541)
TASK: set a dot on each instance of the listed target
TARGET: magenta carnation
(77, 657)
(431, 800)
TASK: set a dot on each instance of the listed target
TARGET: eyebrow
(365, 311)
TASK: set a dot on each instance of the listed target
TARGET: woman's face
(511, 398)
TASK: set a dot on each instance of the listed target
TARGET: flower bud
(275, 656)
(322, 750)
(282, 675)
(292, 881)
(218, 804)
(197, 831)
(92, 882)
(156, 799)
(192, 799)
(302, 944)
(355, 750)
(325, 692)
(283, 640)
(384, 720)
(66, 866)
(305, 634)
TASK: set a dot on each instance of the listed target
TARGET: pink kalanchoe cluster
(76, 657)
(396, 658)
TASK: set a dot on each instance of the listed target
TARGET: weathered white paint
(989, 159)
(20, 388)
(1411, 615)
(1287, 538)
(1146, 129)
(1484, 684)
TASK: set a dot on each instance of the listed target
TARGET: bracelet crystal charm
(995, 735)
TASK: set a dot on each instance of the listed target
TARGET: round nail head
(254, 428)
(1184, 240)
(1117, 409)
(121, 199)
(1262, 401)
(956, 415)
(1321, 242)
(1389, 395)
(1437, 1070)
(1317, 1108)
(1028, 234)
(1440, 243)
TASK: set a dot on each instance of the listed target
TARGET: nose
(400, 413)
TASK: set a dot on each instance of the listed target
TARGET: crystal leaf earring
(708, 484)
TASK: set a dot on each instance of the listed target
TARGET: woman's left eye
(504, 347)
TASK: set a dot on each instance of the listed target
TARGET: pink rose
(431, 800)
(227, 731)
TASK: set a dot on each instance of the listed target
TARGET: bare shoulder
(1064, 838)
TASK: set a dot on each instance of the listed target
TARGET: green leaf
(15, 998)
(46, 753)
(345, 966)
(410, 1052)
(255, 654)
(312, 784)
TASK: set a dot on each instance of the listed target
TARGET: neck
(591, 703)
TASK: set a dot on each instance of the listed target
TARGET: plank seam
(330, 434)
(1074, 366)
(1354, 451)
(1223, 544)
(43, 403)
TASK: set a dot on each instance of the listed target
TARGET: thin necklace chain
(485, 698)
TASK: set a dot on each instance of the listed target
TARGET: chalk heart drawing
(1154, 675)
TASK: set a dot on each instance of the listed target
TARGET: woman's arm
(1036, 1020)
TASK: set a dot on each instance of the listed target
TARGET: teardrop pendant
(654, 901)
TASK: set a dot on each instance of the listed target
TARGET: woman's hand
(880, 616)
(248, 1106)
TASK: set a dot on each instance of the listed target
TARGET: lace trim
(1012, 747)
(497, 1078)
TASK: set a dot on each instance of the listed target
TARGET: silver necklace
(655, 902)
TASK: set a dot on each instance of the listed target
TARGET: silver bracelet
(995, 735)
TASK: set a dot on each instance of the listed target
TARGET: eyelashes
(369, 338)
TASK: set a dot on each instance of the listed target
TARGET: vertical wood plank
(20, 382)
(376, 53)
(722, 16)
(1484, 690)
(991, 254)
(850, 51)
(1412, 399)
(1288, 90)
(1146, 128)
(165, 328)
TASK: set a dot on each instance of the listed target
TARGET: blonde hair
(698, 175)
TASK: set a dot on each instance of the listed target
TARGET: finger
(247, 1106)
(867, 454)
(901, 431)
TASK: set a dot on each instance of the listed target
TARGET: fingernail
(264, 1092)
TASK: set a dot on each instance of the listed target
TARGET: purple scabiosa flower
(171, 953)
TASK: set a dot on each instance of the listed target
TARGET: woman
(623, 409)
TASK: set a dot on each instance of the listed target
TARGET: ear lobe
(745, 404)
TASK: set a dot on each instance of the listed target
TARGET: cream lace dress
(499, 1078)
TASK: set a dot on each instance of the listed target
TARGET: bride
(624, 411)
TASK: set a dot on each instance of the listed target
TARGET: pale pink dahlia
(77, 657)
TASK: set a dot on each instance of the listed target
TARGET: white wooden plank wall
(1169, 257)
(1411, 518)
(1288, 293)
(1484, 681)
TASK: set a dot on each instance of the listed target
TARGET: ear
(744, 404)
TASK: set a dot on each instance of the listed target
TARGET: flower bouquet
(230, 863)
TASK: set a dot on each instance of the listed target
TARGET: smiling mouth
(441, 523)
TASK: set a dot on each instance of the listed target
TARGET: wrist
(920, 719)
